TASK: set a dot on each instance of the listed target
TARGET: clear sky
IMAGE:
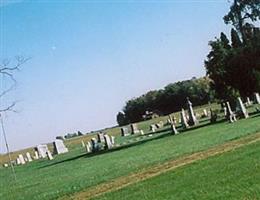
(90, 57)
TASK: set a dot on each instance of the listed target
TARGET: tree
(234, 68)
(7, 71)
(242, 11)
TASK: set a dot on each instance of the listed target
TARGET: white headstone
(192, 118)
(124, 131)
(241, 108)
(83, 144)
(101, 137)
(141, 132)
(134, 129)
(29, 158)
(184, 119)
(49, 155)
(108, 142)
(21, 158)
(257, 98)
(230, 114)
(36, 155)
(174, 130)
(18, 162)
(59, 147)
(42, 150)
(113, 140)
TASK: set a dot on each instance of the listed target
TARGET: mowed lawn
(75, 171)
(232, 175)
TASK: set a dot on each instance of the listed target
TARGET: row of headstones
(103, 141)
(192, 118)
(240, 108)
(40, 151)
(134, 130)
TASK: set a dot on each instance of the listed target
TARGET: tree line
(167, 100)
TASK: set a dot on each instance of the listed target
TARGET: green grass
(75, 171)
(233, 175)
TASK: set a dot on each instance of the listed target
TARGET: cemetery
(66, 164)
(196, 138)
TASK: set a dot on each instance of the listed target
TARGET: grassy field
(75, 143)
(74, 171)
(233, 175)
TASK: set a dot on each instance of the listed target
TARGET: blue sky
(90, 57)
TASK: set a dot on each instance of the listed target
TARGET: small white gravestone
(18, 162)
(83, 144)
(124, 131)
(5, 165)
(134, 129)
(141, 132)
(101, 137)
(21, 158)
(184, 119)
(241, 108)
(29, 158)
(49, 155)
(113, 140)
(108, 143)
(36, 155)
(205, 113)
(42, 150)
(59, 147)
(88, 147)
(257, 98)
(153, 128)
(174, 130)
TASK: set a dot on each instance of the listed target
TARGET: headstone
(184, 120)
(241, 108)
(49, 155)
(18, 162)
(94, 144)
(42, 150)
(174, 130)
(59, 147)
(5, 165)
(248, 101)
(36, 155)
(134, 129)
(158, 125)
(83, 144)
(29, 158)
(205, 113)
(88, 147)
(108, 143)
(21, 158)
(113, 140)
(230, 114)
(170, 120)
(257, 98)
(101, 138)
(141, 132)
(153, 128)
(213, 116)
(124, 131)
(192, 118)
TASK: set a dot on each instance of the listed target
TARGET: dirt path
(156, 170)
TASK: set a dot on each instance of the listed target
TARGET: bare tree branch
(8, 71)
